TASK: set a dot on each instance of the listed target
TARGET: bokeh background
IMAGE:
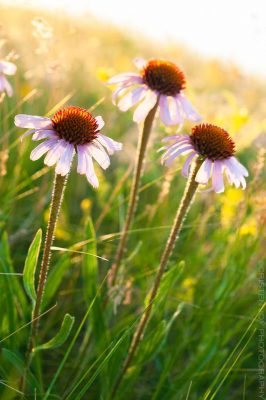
(202, 341)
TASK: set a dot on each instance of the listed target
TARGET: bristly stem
(56, 201)
(133, 197)
(181, 213)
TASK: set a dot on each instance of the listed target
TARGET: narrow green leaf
(30, 266)
(61, 336)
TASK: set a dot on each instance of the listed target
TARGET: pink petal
(64, 163)
(204, 173)
(99, 155)
(164, 110)
(187, 108)
(172, 156)
(120, 91)
(42, 148)
(2, 83)
(140, 63)
(90, 172)
(7, 87)
(42, 134)
(82, 163)
(33, 121)
(7, 67)
(55, 153)
(110, 144)
(239, 166)
(30, 132)
(174, 137)
(131, 98)
(145, 106)
(100, 122)
(186, 166)
(217, 177)
(129, 77)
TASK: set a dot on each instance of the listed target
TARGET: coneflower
(159, 85)
(71, 130)
(210, 152)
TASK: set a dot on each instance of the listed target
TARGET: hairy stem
(56, 201)
(140, 156)
(181, 213)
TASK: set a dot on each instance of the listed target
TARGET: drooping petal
(42, 148)
(217, 176)
(164, 110)
(173, 148)
(119, 92)
(175, 111)
(187, 163)
(140, 63)
(175, 137)
(7, 87)
(170, 158)
(188, 109)
(7, 67)
(82, 163)
(239, 166)
(204, 173)
(129, 77)
(131, 98)
(145, 106)
(110, 144)
(55, 153)
(43, 134)
(2, 83)
(235, 172)
(30, 132)
(33, 121)
(64, 163)
(90, 172)
(99, 155)
(100, 122)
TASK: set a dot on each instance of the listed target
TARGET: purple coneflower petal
(7, 67)
(110, 144)
(172, 149)
(99, 155)
(33, 121)
(217, 176)
(129, 77)
(187, 163)
(172, 156)
(42, 134)
(239, 166)
(204, 172)
(100, 122)
(140, 63)
(175, 137)
(235, 172)
(131, 98)
(164, 110)
(82, 163)
(55, 153)
(187, 108)
(5, 86)
(64, 163)
(90, 172)
(42, 148)
(145, 106)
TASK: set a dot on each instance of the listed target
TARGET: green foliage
(61, 335)
(30, 266)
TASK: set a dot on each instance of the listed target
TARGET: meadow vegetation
(202, 339)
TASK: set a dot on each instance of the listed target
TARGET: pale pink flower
(216, 148)
(72, 129)
(157, 79)
(6, 68)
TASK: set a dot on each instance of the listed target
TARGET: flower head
(72, 129)
(157, 80)
(216, 148)
(6, 68)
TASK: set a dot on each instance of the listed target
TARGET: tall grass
(202, 338)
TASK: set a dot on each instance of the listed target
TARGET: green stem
(183, 208)
(56, 201)
(133, 197)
